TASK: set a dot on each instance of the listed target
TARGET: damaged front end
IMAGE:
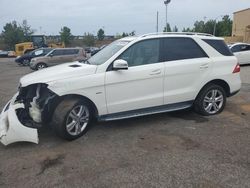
(25, 113)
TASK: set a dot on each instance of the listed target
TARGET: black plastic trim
(146, 111)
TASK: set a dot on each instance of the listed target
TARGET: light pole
(166, 2)
(157, 22)
(216, 24)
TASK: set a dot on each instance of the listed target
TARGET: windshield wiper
(85, 61)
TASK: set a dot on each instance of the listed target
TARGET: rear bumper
(11, 129)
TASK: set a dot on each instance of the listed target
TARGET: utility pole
(157, 22)
(166, 2)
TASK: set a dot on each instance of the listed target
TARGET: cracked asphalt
(180, 149)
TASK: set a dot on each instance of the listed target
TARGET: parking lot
(180, 149)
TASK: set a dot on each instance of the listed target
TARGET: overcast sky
(116, 16)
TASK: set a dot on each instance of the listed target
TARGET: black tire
(201, 104)
(62, 115)
(40, 66)
(26, 62)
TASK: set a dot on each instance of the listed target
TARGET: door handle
(205, 66)
(155, 72)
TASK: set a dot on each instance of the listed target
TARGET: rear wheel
(72, 118)
(40, 66)
(211, 100)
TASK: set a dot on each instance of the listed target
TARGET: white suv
(131, 77)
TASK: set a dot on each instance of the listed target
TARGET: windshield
(106, 53)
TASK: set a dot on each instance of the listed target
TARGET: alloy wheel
(77, 120)
(213, 101)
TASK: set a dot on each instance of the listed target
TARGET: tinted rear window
(71, 51)
(220, 46)
(181, 48)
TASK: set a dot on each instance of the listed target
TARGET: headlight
(33, 60)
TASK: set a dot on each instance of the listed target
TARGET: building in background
(241, 25)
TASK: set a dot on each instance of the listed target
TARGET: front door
(141, 86)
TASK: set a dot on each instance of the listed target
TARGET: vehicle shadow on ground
(48, 136)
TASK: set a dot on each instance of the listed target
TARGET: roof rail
(178, 33)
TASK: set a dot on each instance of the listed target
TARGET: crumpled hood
(64, 71)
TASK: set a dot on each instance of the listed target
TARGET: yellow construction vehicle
(37, 41)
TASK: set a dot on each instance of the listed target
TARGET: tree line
(222, 28)
(14, 32)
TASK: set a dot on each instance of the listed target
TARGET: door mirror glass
(120, 64)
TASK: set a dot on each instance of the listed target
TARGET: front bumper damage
(27, 111)
(11, 129)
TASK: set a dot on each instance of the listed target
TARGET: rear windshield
(220, 46)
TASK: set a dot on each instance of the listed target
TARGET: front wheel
(26, 62)
(211, 100)
(72, 118)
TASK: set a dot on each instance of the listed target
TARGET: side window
(245, 47)
(57, 52)
(220, 46)
(236, 48)
(70, 52)
(180, 49)
(142, 53)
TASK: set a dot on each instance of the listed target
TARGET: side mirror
(120, 64)
(51, 55)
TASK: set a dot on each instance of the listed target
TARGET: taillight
(237, 68)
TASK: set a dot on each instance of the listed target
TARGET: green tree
(100, 34)
(124, 34)
(65, 35)
(209, 27)
(89, 39)
(175, 29)
(27, 31)
(12, 34)
(224, 27)
(168, 28)
(199, 26)
(132, 33)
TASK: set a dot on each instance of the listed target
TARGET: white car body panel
(11, 130)
(181, 83)
(90, 86)
(57, 73)
(243, 57)
(147, 84)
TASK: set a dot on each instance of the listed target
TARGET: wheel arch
(219, 82)
(81, 97)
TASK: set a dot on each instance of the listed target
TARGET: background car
(26, 58)
(4, 53)
(242, 52)
(58, 56)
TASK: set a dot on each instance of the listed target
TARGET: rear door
(187, 66)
